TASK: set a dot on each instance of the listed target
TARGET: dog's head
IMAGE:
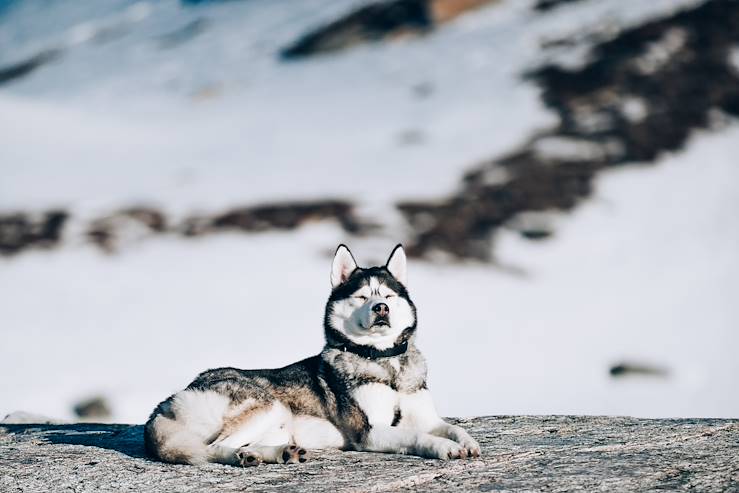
(369, 306)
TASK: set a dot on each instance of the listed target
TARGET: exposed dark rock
(287, 215)
(639, 95)
(28, 230)
(369, 23)
(93, 408)
(25, 67)
(126, 225)
(461, 225)
(379, 21)
(519, 453)
(637, 369)
(110, 232)
(544, 5)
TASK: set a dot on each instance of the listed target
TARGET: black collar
(370, 352)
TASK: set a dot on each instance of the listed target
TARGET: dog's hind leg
(181, 427)
(197, 427)
(258, 423)
(258, 434)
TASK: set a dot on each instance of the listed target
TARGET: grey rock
(552, 453)
(23, 417)
(93, 409)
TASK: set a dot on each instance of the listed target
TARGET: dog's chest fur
(379, 386)
(405, 373)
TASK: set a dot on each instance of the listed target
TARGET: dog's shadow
(127, 439)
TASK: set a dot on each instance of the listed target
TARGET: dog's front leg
(459, 435)
(419, 410)
(391, 439)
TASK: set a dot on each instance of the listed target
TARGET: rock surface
(556, 453)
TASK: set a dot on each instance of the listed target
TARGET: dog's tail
(181, 427)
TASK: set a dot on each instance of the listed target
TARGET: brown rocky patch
(109, 232)
(278, 216)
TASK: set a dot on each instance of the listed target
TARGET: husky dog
(366, 391)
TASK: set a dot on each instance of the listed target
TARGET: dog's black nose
(381, 309)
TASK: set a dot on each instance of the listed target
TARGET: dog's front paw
(471, 446)
(459, 435)
(441, 448)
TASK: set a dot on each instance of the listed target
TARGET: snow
(625, 278)
(645, 271)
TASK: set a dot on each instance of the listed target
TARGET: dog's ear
(343, 266)
(396, 264)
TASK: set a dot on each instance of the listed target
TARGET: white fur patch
(374, 285)
(396, 264)
(342, 266)
(200, 412)
(384, 438)
(377, 401)
(417, 411)
(268, 427)
(242, 406)
(389, 439)
(311, 432)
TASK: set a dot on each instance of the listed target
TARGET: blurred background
(176, 174)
